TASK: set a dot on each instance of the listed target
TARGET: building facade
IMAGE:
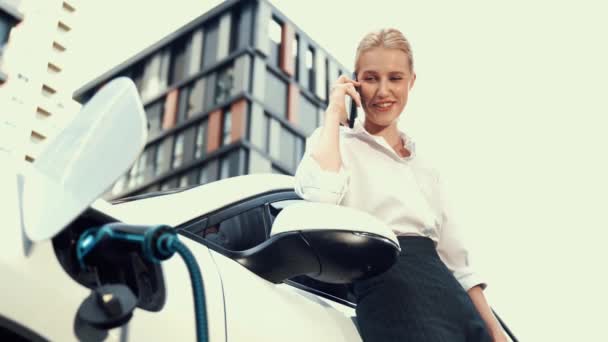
(35, 96)
(236, 91)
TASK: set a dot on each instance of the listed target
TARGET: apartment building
(236, 91)
(35, 96)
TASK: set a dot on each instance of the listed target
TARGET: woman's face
(385, 84)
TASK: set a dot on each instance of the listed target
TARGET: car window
(276, 207)
(239, 232)
(341, 291)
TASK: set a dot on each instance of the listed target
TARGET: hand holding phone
(344, 89)
(353, 107)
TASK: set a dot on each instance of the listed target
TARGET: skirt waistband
(416, 245)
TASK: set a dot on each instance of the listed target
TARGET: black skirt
(418, 299)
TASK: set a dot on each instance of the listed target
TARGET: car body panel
(176, 321)
(38, 294)
(258, 310)
(192, 203)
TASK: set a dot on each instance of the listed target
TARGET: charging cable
(156, 244)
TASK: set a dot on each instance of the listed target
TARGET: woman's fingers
(345, 79)
(348, 87)
(354, 94)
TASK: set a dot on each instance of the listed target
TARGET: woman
(431, 293)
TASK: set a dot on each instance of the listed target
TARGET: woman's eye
(396, 78)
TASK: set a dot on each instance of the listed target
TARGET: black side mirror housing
(327, 242)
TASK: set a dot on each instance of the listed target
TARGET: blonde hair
(389, 38)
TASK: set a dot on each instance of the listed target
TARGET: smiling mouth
(384, 106)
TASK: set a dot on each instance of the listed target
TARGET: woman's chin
(381, 120)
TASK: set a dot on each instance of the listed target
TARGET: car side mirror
(330, 243)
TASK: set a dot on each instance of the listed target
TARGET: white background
(510, 103)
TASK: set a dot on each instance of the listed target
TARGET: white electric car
(274, 267)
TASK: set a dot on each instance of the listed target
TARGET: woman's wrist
(334, 115)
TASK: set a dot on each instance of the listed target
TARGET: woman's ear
(412, 80)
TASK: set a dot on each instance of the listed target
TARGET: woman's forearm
(482, 306)
(327, 151)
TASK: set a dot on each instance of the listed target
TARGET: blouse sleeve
(315, 184)
(450, 248)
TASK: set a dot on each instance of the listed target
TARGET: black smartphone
(353, 107)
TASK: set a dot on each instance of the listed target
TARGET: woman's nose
(383, 89)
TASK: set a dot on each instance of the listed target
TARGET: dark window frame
(210, 30)
(275, 53)
(178, 51)
(312, 81)
(274, 72)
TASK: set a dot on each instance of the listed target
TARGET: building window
(288, 149)
(310, 68)
(275, 33)
(283, 145)
(63, 27)
(178, 151)
(47, 91)
(119, 186)
(294, 50)
(210, 44)
(168, 185)
(224, 85)
(209, 98)
(307, 115)
(235, 22)
(68, 7)
(58, 48)
(195, 98)
(150, 162)
(300, 145)
(158, 160)
(132, 173)
(183, 181)
(226, 128)
(325, 75)
(155, 75)
(154, 113)
(178, 68)
(275, 95)
(240, 32)
(163, 156)
(149, 189)
(209, 172)
(137, 75)
(201, 140)
(136, 175)
(278, 171)
(52, 68)
(191, 100)
(258, 127)
(232, 164)
(274, 139)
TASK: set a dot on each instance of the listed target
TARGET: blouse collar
(359, 131)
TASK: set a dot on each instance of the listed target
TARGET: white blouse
(401, 191)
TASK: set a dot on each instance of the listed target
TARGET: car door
(256, 309)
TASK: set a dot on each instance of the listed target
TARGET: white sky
(510, 103)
